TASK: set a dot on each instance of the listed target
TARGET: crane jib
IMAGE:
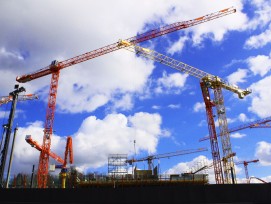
(137, 39)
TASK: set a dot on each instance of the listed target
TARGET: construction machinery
(63, 162)
(7, 99)
(150, 158)
(55, 67)
(245, 163)
(207, 81)
(262, 123)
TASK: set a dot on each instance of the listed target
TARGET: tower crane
(55, 67)
(245, 163)
(207, 81)
(150, 158)
(63, 162)
(262, 123)
(6, 99)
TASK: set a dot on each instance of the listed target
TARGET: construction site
(123, 179)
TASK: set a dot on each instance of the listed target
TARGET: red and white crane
(55, 67)
(245, 163)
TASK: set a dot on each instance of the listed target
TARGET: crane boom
(6, 99)
(115, 46)
(35, 144)
(255, 124)
(185, 68)
(165, 155)
(56, 66)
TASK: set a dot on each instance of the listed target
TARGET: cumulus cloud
(171, 83)
(94, 83)
(237, 135)
(260, 64)
(193, 165)
(199, 107)
(177, 46)
(261, 98)
(238, 76)
(257, 41)
(95, 140)
(263, 153)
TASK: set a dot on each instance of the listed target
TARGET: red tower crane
(165, 155)
(245, 163)
(207, 81)
(56, 66)
(63, 162)
(262, 123)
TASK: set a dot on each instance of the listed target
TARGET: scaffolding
(117, 165)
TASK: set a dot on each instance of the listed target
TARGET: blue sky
(108, 102)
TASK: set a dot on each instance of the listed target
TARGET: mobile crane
(207, 81)
(55, 67)
(63, 162)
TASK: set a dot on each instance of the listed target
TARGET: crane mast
(56, 66)
(207, 81)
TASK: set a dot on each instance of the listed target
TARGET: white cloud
(242, 117)
(258, 41)
(193, 165)
(238, 76)
(156, 107)
(263, 153)
(177, 46)
(94, 140)
(262, 9)
(237, 135)
(174, 106)
(98, 79)
(169, 83)
(260, 64)
(199, 107)
(261, 97)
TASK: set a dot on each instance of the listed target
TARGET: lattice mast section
(212, 131)
(228, 164)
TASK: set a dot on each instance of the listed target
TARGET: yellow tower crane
(207, 81)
